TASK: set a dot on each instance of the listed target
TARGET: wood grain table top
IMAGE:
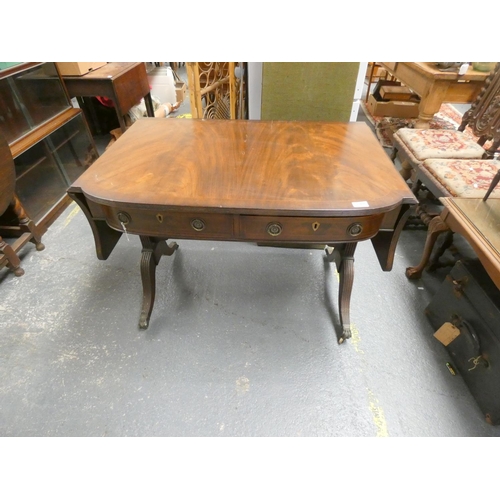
(431, 71)
(109, 71)
(484, 215)
(288, 168)
(479, 222)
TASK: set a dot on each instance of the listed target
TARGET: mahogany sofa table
(238, 180)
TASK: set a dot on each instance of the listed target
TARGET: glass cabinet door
(47, 169)
(30, 98)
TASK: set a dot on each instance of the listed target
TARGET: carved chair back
(483, 117)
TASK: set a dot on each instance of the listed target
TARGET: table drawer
(309, 229)
(189, 225)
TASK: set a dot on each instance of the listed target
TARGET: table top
(430, 70)
(244, 166)
(109, 71)
(480, 224)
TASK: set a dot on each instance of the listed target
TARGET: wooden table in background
(245, 180)
(126, 83)
(477, 221)
(436, 87)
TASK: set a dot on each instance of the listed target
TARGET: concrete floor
(242, 342)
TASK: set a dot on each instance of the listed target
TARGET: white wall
(254, 90)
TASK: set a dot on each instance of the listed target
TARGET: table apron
(236, 227)
(463, 92)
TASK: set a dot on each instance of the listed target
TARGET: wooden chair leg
(13, 261)
(493, 184)
(370, 79)
(26, 224)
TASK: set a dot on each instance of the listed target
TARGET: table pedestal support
(152, 250)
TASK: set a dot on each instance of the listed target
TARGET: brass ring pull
(355, 229)
(274, 228)
(198, 224)
(124, 218)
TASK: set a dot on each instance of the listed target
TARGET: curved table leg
(436, 227)
(152, 250)
(346, 272)
(343, 256)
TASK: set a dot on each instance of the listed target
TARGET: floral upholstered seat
(477, 137)
(447, 164)
(438, 143)
(462, 178)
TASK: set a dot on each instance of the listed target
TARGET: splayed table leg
(152, 250)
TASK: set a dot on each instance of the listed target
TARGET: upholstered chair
(416, 147)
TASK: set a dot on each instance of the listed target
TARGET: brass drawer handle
(274, 228)
(355, 229)
(198, 224)
(124, 218)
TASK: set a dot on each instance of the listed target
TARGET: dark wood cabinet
(49, 139)
(45, 145)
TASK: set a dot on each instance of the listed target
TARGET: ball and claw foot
(413, 273)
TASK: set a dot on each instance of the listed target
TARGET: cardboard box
(377, 106)
(78, 68)
(180, 91)
(397, 93)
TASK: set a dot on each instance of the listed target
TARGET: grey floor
(242, 342)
